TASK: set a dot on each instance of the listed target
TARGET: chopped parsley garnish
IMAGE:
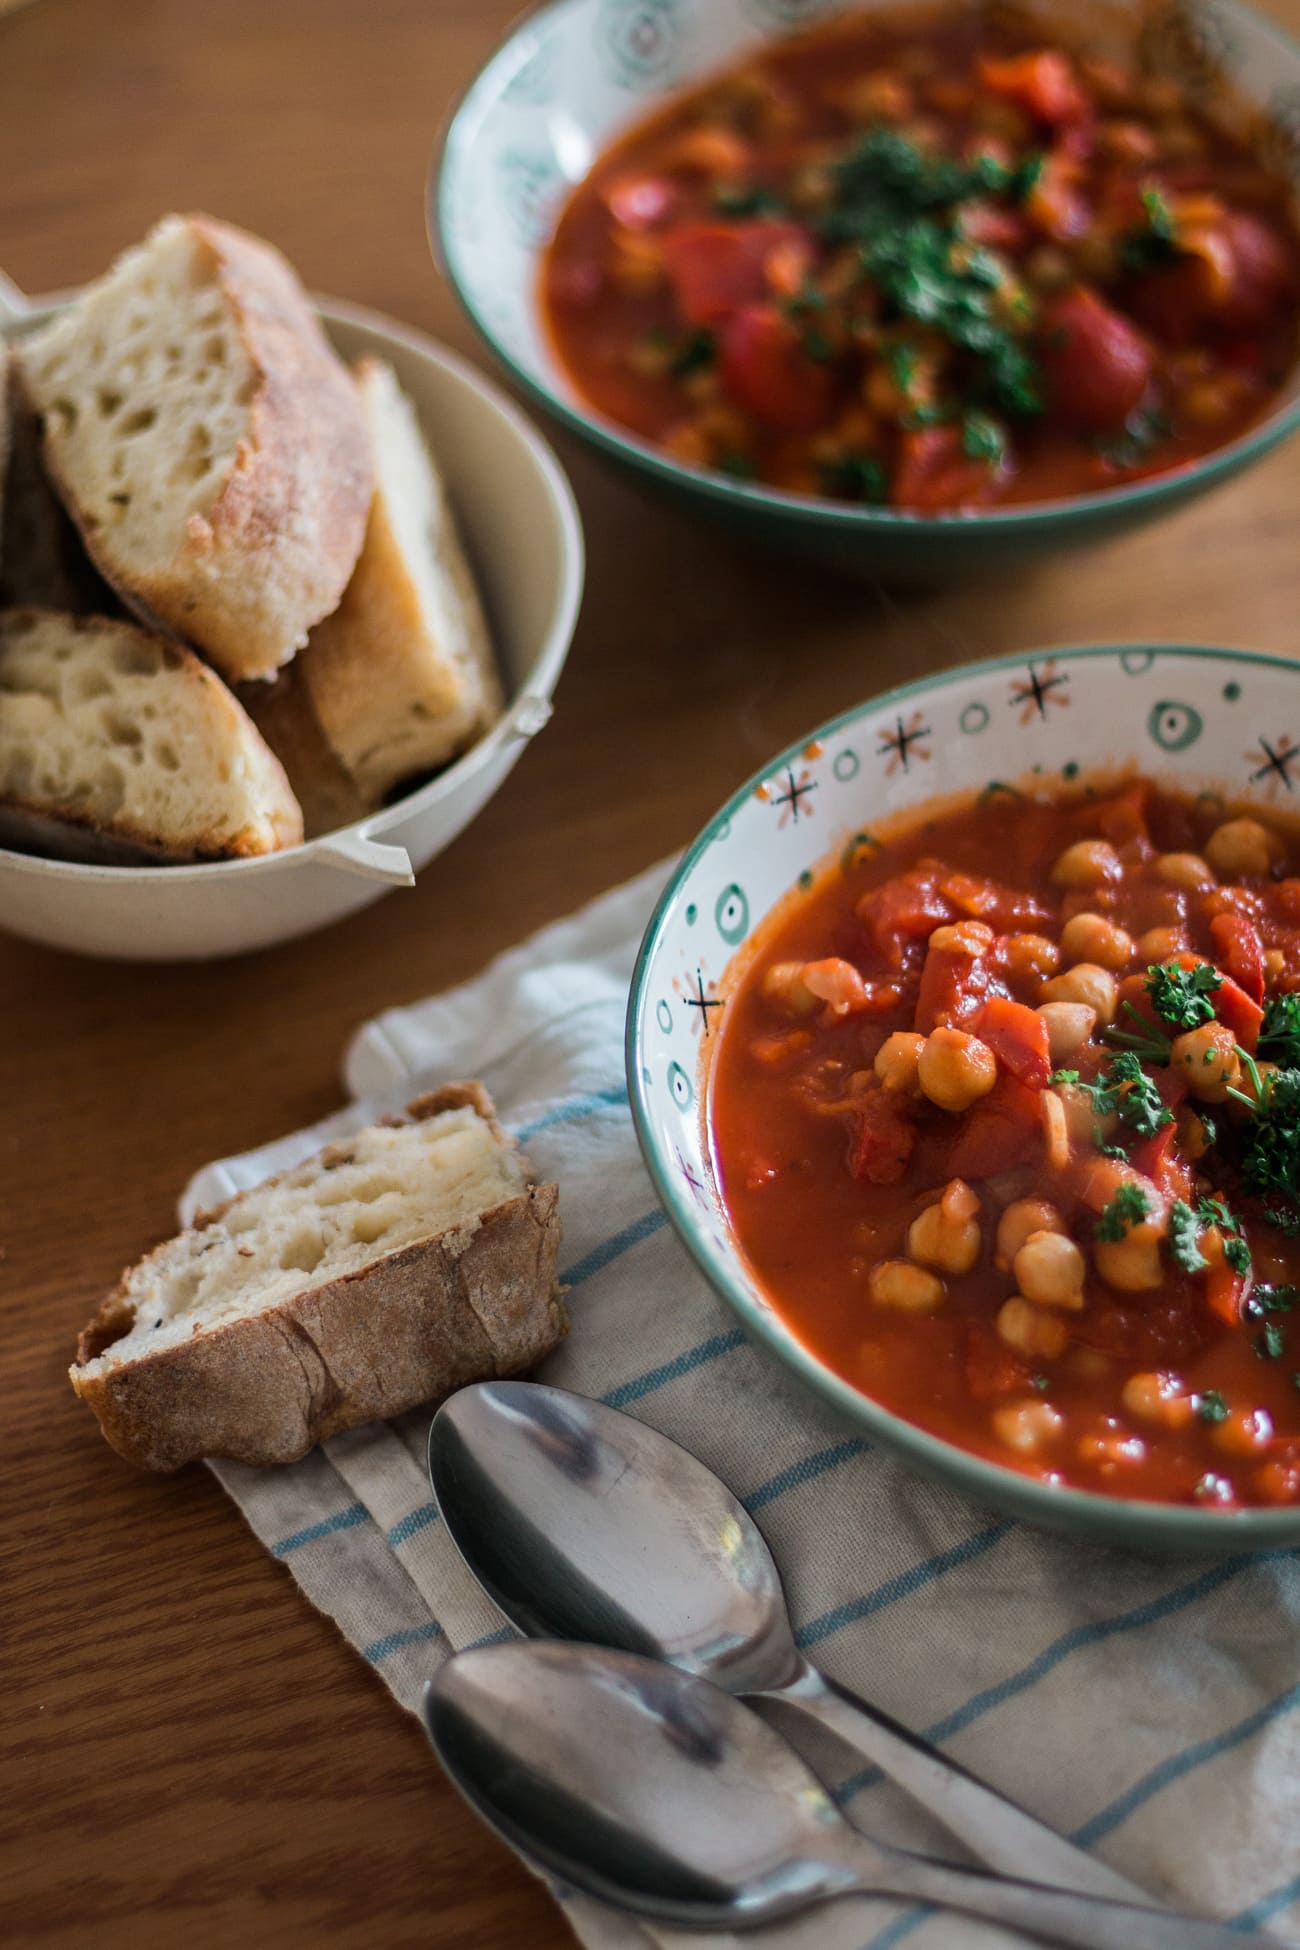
(746, 200)
(900, 207)
(1279, 1033)
(855, 477)
(1181, 996)
(693, 354)
(1237, 1254)
(1268, 1343)
(1142, 431)
(738, 465)
(1213, 1212)
(1271, 1298)
(1184, 1232)
(1128, 1208)
(807, 298)
(983, 439)
(1211, 1406)
(1270, 1159)
(1026, 176)
(1152, 242)
(1124, 1090)
(1149, 1044)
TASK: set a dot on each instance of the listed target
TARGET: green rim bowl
(573, 73)
(1221, 722)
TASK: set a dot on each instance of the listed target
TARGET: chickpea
(1208, 1060)
(1025, 1426)
(1091, 938)
(906, 1288)
(969, 938)
(1030, 1330)
(1264, 1071)
(1161, 944)
(946, 1235)
(1243, 1432)
(1049, 1270)
(1106, 1449)
(837, 983)
(1023, 1217)
(1069, 1025)
(1088, 863)
(1162, 1398)
(1087, 983)
(955, 1069)
(1241, 846)
(784, 983)
(897, 1059)
(1132, 1264)
(1029, 955)
(1274, 966)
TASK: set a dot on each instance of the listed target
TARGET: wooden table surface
(187, 1752)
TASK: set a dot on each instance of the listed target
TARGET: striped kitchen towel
(1149, 1709)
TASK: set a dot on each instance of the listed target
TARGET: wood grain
(188, 1753)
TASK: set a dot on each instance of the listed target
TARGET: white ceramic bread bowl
(520, 525)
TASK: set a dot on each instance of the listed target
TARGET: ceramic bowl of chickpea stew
(913, 286)
(964, 1050)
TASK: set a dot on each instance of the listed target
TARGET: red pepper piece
(1096, 364)
(882, 1139)
(1239, 952)
(1043, 82)
(934, 472)
(907, 908)
(1236, 1011)
(1017, 1035)
(1000, 1132)
(953, 988)
(1223, 1289)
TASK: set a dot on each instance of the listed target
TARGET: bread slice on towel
(402, 676)
(43, 560)
(393, 1266)
(207, 441)
(119, 745)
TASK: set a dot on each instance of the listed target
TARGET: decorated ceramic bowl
(1220, 722)
(574, 73)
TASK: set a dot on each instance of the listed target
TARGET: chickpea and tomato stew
(1006, 1121)
(919, 260)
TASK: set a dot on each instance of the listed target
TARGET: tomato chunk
(715, 268)
(1096, 364)
(766, 371)
(1017, 1035)
(1002, 1131)
(953, 988)
(907, 908)
(1239, 952)
(934, 474)
(881, 1140)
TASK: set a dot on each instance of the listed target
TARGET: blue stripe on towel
(572, 1110)
(354, 1514)
(901, 1586)
(419, 1519)
(1268, 1906)
(381, 1648)
(1108, 1819)
(612, 1249)
(499, 1637)
(694, 1357)
(804, 1471)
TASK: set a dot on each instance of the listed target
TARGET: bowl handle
(13, 303)
(372, 859)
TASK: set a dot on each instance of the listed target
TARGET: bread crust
(478, 1300)
(278, 545)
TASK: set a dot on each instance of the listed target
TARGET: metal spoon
(660, 1793)
(581, 1523)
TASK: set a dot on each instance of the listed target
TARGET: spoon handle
(996, 1830)
(1054, 1915)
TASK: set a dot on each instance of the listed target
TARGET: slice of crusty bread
(207, 441)
(43, 561)
(116, 743)
(402, 675)
(328, 794)
(388, 1269)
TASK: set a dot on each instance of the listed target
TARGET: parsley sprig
(1279, 1033)
(1128, 1208)
(1124, 1090)
(1181, 996)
